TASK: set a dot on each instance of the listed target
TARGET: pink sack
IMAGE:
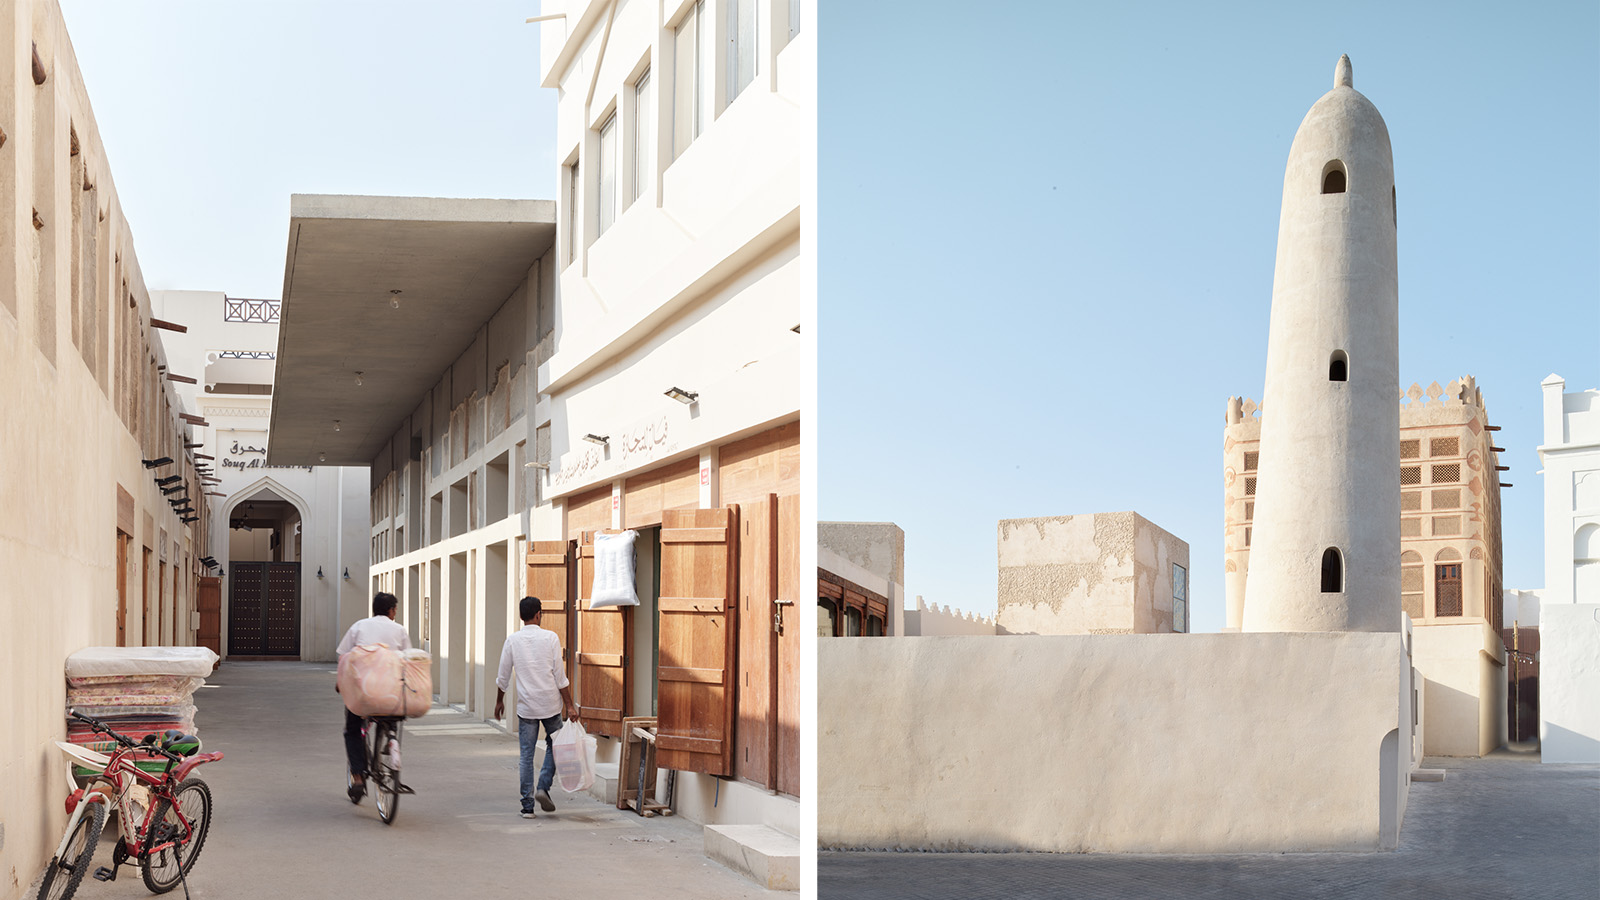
(377, 681)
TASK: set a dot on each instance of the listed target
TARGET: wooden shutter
(550, 579)
(605, 644)
(208, 602)
(757, 692)
(789, 587)
(699, 615)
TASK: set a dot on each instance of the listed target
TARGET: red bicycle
(165, 814)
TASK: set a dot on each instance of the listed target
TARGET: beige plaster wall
(1463, 667)
(1103, 573)
(1127, 743)
(64, 449)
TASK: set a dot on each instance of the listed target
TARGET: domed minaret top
(1341, 72)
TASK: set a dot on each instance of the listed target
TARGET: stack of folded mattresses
(135, 691)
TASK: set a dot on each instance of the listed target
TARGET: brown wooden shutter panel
(698, 640)
(789, 584)
(605, 645)
(550, 579)
(756, 701)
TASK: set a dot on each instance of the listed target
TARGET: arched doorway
(263, 563)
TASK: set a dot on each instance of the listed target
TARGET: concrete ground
(282, 826)
(1500, 827)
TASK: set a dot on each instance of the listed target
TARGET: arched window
(1332, 571)
(1339, 367)
(1333, 177)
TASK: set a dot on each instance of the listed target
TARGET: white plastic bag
(613, 571)
(575, 753)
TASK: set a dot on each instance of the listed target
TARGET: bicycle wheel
(174, 855)
(384, 762)
(66, 871)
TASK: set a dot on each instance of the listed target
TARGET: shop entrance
(263, 615)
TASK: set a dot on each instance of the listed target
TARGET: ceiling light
(322, 457)
(683, 396)
(336, 425)
(601, 439)
(394, 299)
(358, 378)
(535, 464)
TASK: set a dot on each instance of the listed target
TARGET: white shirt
(375, 630)
(535, 655)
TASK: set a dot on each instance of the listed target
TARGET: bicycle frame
(129, 784)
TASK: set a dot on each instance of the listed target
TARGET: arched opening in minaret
(1339, 367)
(1333, 177)
(1332, 571)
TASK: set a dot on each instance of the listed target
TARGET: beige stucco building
(1449, 553)
(1102, 573)
(103, 512)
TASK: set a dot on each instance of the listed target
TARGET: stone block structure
(1103, 573)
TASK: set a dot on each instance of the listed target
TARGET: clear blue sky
(1047, 235)
(213, 113)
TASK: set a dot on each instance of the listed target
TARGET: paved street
(283, 827)
(1499, 827)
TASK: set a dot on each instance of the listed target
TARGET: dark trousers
(354, 746)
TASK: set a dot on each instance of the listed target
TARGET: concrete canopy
(455, 263)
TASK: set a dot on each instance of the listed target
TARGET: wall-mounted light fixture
(601, 439)
(222, 573)
(319, 572)
(394, 298)
(683, 396)
(157, 463)
(322, 457)
(535, 464)
(346, 573)
(358, 378)
(336, 425)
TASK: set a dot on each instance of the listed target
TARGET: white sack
(613, 570)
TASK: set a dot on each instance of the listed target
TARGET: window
(1252, 459)
(1411, 583)
(1250, 486)
(1444, 447)
(1410, 501)
(1332, 571)
(1180, 598)
(741, 45)
(827, 618)
(644, 138)
(1410, 449)
(852, 622)
(1410, 474)
(691, 88)
(572, 212)
(1338, 367)
(794, 18)
(1447, 590)
(1333, 178)
(606, 186)
(1446, 473)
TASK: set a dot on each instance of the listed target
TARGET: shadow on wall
(1563, 745)
(1453, 721)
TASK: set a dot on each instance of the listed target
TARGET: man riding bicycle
(380, 628)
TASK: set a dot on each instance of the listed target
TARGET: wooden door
(208, 602)
(264, 609)
(757, 687)
(789, 632)
(124, 541)
(550, 579)
(605, 649)
(698, 644)
(161, 598)
(144, 598)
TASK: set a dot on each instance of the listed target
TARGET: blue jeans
(528, 738)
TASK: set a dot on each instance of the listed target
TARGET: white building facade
(1569, 613)
(290, 542)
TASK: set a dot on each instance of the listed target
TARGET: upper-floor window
(573, 193)
(644, 138)
(691, 84)
(741, 45)
(606, 187)
(1333, 177)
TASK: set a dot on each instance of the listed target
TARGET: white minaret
(1326, 548)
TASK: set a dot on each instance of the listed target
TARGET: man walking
(380, 628)
(543, 694)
